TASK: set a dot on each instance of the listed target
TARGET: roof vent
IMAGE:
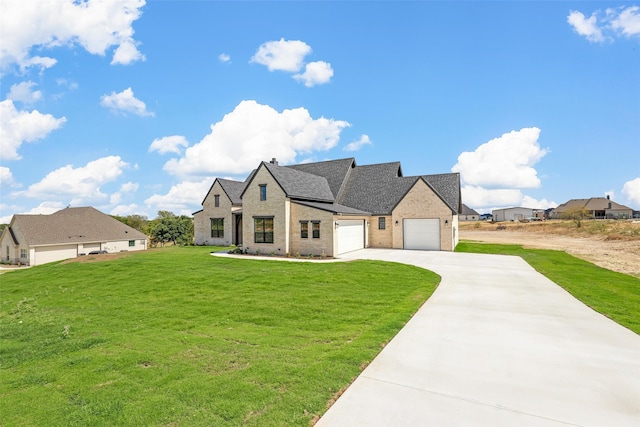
(274, 161)
(608, 197)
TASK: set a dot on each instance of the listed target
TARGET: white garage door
(350, 235)
(55, 253)
(423, 234)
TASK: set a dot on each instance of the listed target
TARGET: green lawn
(613, 294)
(176, 337)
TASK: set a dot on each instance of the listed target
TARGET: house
(68, 233)
(598, 208)
(468, 214)
(329, 208)
(514, 214)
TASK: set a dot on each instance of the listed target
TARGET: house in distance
(68, 233)
(329, 208)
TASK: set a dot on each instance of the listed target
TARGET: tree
(168, 227)
(576, 214)
(139, 222)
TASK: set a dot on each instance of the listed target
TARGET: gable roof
(376, 188)
(233, 189)
(447, 186)
(72, 225)
(300, 185)
(466, 210)
(336, 172)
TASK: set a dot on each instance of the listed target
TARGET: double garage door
(350, 235)
(46, 254)
(422, 234)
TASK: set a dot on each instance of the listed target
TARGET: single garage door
(350, 235)
(47, 254)
(422, 234)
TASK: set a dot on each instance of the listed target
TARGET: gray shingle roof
(466, 210)
(376, 188)
(301, 185)
(333, 207)
(73, 225)
(447, 185)
(336, 172)
(233, 189)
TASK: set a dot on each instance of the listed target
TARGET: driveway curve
(497, 344)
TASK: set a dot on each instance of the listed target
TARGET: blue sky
(134, 108)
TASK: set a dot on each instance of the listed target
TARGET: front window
(132, 243)
(263, 228)
(382, 223)
(216, 200)
(217, 227)
(304, 229)
(23, 253)
(263, 191)
(315, 226)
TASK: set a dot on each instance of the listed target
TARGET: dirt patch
(96, 258)
(614, 246)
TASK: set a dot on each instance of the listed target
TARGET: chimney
(607, 194)
(274, 161)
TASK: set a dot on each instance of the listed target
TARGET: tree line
(167, 227)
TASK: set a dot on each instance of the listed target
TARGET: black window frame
(261, 233)
(382, 223)
(216, 200)
(132, 243)
(263, 192)
(218, 231)
(304, 229)
(315, 229)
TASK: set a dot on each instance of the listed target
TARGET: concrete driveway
(497, 344)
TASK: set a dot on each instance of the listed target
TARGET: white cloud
(282, 55)
(125, 102)
(81, 185)
(587, 27)
(318, 72)
(224, 58)
(127, 53)
(626, 22)
(169, 144)
(17, 127)
(126, 188)
(182, 197)
(600, 27)
(125, 210)
(358, 144)
(504, 162)
(6, 178)
(96, 25)
(631, 190)
(22, 92)
(494, 174)
(252, 133)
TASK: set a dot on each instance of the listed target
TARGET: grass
(613, 294)
(175, 337)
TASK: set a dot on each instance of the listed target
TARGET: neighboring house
(68, 233)
(330, 208)
(598, 208)
(513, 214)
(468, 214)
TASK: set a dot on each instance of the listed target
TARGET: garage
(350, 235)
(46, 254)
(421, 234)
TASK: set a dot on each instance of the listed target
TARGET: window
(216, 200)
(23, 253)
(263, 191)
(382, 223)
(315, 229)
(304, 229)
(217, 227)
(132, 243)
(263, 230)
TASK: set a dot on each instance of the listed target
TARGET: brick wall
(319, 246)
(202, 220)
(276, 206)
(422, 202)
